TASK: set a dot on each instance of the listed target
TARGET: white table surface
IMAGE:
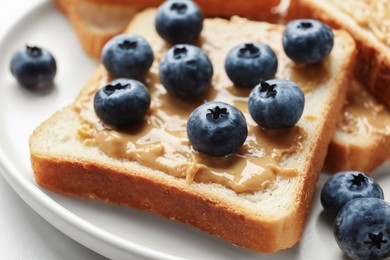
(23, 233)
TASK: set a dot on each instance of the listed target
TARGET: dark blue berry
(34, 67)
(217, 129)
(362, 229)
(345, 186)
(122, 102)
(127, 56)
(307, 41)
(186, 71)
(179, 21)
(276, 104)
(251, 63)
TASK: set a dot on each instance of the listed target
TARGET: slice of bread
(97, 21)
(267, 220)
(369, 23)
(362, 139)
(363, 147)
(88, 16)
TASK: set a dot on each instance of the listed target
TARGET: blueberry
(307, 41)
(217, 129)
(345, 186)
(179, 21)
(362, 229)
(122, 102)
(276, 104)
(186, 71)
(251, 63)
(33, 67)
(127, 56)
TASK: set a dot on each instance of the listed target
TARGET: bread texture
(368, 23)
(266, 220)
(97, 21)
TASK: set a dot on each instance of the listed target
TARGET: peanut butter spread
(371, 14)
(364, 115)
(160, 141)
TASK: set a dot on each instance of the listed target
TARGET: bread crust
(365, 157)
(93, 38)
(177, 200)
(90, 181)
(173, 199)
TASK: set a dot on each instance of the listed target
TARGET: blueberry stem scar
(248, 51)
(180, 8)
(126, 45)
(269, 89)
(179, 52)
(110, 89)
(375, 240)
(358, 179)
(217, 112)
(305, 25)
(34, 51)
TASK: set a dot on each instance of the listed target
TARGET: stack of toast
(343, 125)
(363, 137)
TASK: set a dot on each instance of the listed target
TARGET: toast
(366, 148)
(68, 157)
(369, 23)
(97, 21)
(362, 139)
(363, 154)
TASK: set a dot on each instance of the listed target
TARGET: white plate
(112, 231)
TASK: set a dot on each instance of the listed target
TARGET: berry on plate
(122, 102)
(33, 67)
(345, 186)
(248, 64)
(276, 104)
(362, 229)
(217, 129)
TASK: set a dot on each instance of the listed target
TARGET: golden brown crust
(324, 137)
(258, 10)
(92, 180)
(343, 156)
(174, 200)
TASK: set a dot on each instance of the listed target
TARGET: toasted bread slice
(87, 16)
(268, 219)
(362, 139)
(369, 24)
(97, 21)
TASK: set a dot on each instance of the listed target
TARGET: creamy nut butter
(160, 141)
(371, 14)
(364, 114)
